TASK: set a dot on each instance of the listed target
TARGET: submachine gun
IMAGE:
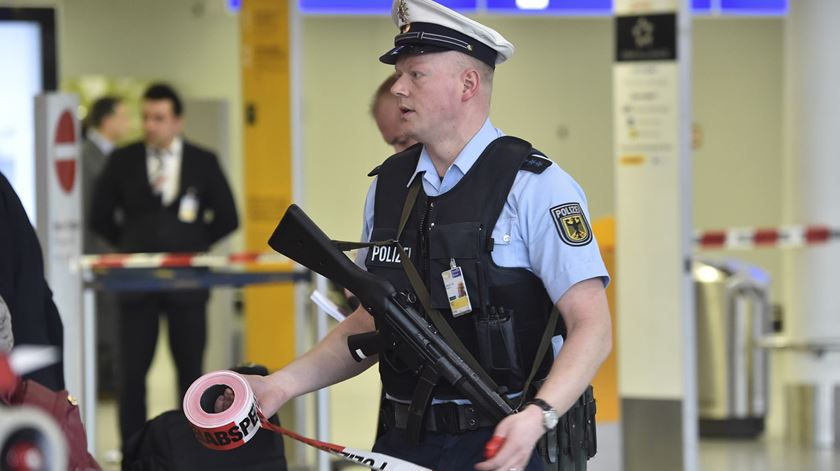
(300, 239)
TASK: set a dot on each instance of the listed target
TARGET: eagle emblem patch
(571, 224)
(402, 12)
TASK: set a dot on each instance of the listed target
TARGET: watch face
(550, 419)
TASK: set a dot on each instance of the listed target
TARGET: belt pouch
(498, 346)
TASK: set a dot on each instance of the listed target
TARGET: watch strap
(541, 404)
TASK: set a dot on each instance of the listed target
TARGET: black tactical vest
(510, 306)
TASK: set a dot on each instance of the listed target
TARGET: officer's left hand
(521, 432)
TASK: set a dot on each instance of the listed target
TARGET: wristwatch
(550, 416)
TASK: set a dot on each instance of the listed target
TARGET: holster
(568, 446)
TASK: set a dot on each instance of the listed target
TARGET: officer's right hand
(269, 396)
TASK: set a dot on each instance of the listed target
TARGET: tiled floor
(162, 396)
(765, 455)
(715, 455)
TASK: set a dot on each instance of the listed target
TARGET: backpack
(167, 442)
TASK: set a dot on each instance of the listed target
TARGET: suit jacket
(93, 162)
(127, 214)
(35, 318)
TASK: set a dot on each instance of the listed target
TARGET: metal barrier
(169, 272)
(733, 312)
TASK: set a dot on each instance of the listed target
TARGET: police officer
(540, 254)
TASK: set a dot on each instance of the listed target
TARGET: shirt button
(506, 238)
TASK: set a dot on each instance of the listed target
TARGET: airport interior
(703, 133)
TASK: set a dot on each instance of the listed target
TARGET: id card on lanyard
(456, 290)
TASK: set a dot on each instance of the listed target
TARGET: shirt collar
(174, 148)
(466, 158)
(102, 143)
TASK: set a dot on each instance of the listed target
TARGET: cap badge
(402, 12)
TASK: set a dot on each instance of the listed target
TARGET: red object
(713, 238)
(8, 378)
(815, 234)
(65, 165)
(244, 257)
(24, 456)
(177, 260)
(766, 236)
(492, 447)
(65, 412)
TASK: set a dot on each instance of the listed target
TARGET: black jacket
(35, 318)
(126, 213)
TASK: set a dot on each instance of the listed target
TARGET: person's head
(109, 117)
(162, 120)
(444, 66)
(386, 112)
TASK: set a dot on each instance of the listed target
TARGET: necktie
(157, 175)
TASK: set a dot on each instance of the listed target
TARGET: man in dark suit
(161, 195)
(24, 287)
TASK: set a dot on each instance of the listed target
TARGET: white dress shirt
(164, 170)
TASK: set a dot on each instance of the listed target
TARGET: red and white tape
(750, 238)
(239, 423)
(734, 238)
(180, 260)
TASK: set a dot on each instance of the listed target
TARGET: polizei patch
(571, 224)
(385, 255)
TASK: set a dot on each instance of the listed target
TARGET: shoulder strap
(541, 352)
(414, 149)
(537, 162)
(375, 171)
(507, 156)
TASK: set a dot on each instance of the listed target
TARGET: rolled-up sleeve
(562, 250)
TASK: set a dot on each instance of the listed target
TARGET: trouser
(107, 318)
(443, 451)
(138, 333)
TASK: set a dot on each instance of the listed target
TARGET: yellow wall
(605, 383)
(269, 310)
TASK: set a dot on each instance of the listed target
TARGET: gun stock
(300, 239)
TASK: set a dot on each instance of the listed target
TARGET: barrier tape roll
(30, 439)
(239, 423)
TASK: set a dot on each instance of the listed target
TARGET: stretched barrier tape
(174, 260)
(733, 238)
(240, 422)
(765, 237)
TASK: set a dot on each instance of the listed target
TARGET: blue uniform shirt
(528, 233)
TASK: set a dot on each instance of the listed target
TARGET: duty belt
(443, 418)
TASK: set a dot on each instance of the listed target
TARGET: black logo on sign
(646, 38)
(643, 33)
(571, 224)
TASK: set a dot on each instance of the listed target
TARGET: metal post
(89, 359)
(322, 408)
